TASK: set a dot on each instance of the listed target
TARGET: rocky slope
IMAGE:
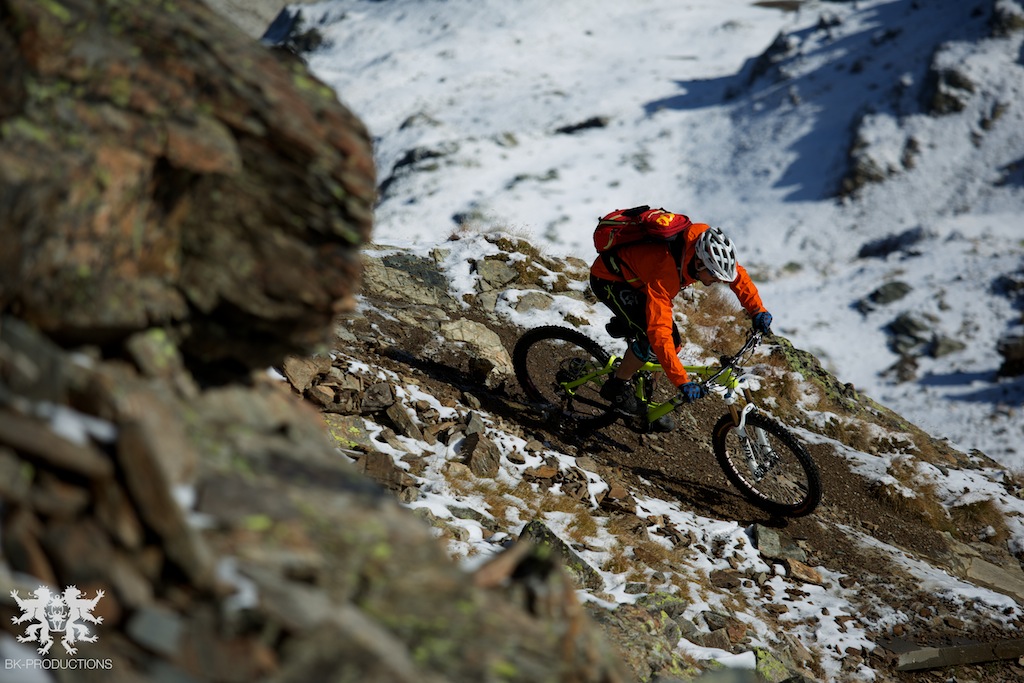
(840, 595)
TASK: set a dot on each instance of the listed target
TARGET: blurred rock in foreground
(178, 210)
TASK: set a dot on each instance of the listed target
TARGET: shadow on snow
(857, 73)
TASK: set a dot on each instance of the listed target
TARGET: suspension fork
(739, 418)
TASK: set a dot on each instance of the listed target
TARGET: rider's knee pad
(642, 349)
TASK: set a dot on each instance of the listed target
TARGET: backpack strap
(611, 263)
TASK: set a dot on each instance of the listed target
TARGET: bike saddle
(617, 328)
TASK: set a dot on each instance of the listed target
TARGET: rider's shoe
(620, 393)
(665, 423)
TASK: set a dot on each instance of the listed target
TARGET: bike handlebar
(730, 362)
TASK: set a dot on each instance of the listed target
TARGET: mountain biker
(638, 282)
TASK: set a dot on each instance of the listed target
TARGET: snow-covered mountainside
(844, 145)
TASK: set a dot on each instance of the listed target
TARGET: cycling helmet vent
(717, 253)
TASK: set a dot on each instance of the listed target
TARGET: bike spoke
(548, 359)
(768, 465)
(773, 475)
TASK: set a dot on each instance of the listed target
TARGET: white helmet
(717, 253)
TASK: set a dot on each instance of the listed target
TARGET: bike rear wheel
(778, 475)
(546, 356)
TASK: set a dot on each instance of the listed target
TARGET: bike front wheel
(768, 465)
(545, 358)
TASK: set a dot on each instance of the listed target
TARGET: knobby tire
(792, 488)
(545, 354)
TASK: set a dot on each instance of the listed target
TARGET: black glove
(763, 322)
(692, 391)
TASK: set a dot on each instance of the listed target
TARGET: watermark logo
(53, 613)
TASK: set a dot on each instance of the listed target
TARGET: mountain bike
(561, 370)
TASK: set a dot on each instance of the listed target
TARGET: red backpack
(629, 226)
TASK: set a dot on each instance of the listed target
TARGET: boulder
(164, 170)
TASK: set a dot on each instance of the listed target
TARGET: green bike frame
(724, 377)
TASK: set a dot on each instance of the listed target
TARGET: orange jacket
(652, 268)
